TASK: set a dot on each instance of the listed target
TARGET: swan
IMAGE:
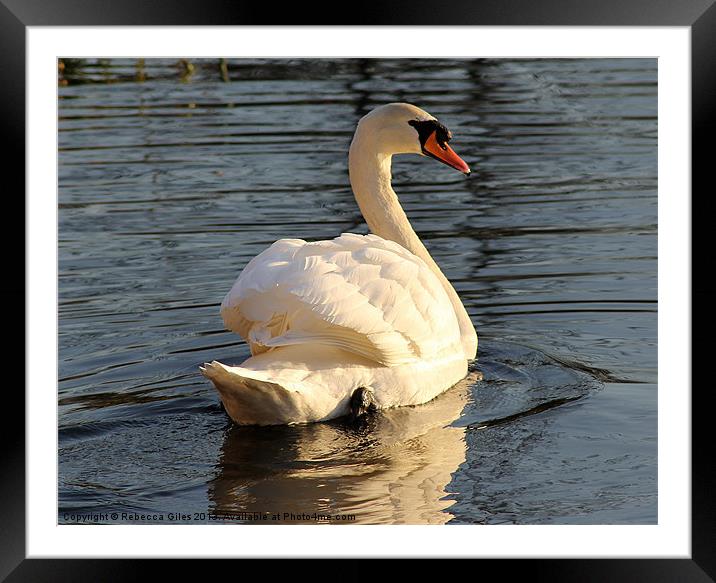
(356, 323)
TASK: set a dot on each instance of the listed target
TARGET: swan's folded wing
(360, 293)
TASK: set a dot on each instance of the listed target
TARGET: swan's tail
(250, 400)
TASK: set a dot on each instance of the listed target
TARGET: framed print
(165, 150)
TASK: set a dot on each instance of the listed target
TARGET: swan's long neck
(371, 182)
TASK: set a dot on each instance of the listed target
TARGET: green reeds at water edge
(79, 71)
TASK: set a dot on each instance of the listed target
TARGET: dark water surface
(172, 178)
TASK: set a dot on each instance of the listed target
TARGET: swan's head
(402, 128)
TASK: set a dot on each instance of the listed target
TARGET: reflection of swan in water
(395, 469)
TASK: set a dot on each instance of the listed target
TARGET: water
(171, 179)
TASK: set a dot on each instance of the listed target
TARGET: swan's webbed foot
(362, 402)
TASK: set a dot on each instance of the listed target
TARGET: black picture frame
(700, 15)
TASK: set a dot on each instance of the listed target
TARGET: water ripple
(173, 174)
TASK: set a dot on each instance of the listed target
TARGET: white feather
(360, 294)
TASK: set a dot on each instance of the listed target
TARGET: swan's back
(360, 293)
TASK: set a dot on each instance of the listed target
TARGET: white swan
(356, 322)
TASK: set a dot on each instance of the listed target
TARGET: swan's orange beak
(445, 154)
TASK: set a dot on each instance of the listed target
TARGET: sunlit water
(171, 178)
